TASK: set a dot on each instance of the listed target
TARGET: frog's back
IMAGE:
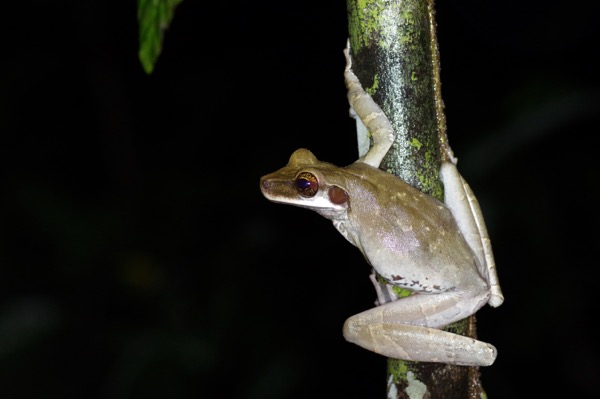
(410, 235)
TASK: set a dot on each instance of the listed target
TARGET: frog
(438, 252)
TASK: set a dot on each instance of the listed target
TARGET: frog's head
(309, 183)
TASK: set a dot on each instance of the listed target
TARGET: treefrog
(440, 252)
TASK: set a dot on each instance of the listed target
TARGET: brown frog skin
(440, 252)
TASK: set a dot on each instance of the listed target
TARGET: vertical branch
(395, 56)
(392, 57)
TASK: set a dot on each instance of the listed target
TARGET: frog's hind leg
(423, 344)
(464, 206)
(408, 329)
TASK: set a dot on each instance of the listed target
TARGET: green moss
(460, 327)
(397, 369)
(373, 89)
(416, 143)
(365, 22)
(401, 292)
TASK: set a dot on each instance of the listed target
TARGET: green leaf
(154, 17)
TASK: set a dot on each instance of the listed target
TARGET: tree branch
(395, 56)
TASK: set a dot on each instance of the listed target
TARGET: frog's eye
(307, 184)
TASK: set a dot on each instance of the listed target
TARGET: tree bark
(395, 56)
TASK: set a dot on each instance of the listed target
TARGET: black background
(139, 259)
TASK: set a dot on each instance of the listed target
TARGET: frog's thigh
(434, 310)
(422, 344)
(407, 329)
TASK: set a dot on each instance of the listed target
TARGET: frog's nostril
(265, 183)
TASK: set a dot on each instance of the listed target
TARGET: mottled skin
(440, 253)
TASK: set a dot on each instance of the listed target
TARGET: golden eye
(307, 184)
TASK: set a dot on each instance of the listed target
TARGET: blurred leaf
(154, 17)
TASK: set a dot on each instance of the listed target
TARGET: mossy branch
(395, 56)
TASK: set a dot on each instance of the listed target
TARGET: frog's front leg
(384, 292)
(408, 329)
(368, 116)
